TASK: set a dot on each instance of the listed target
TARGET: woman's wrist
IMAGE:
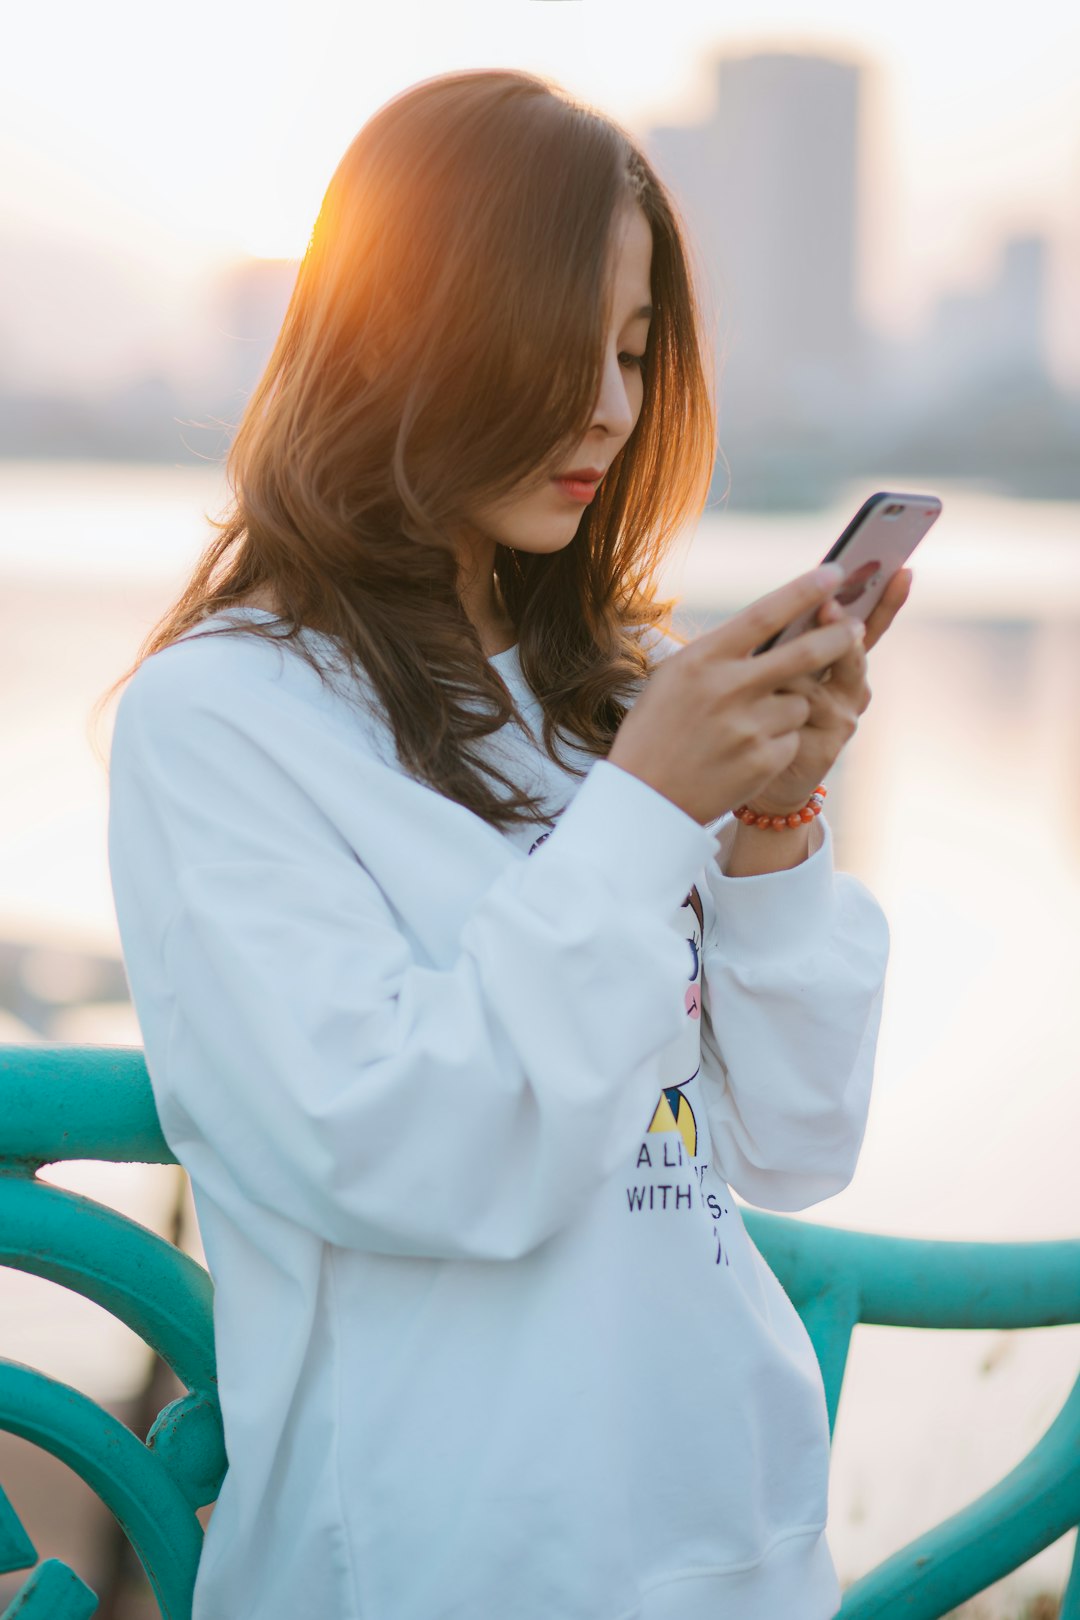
(780, 817)
(774, 839)
(757, 850)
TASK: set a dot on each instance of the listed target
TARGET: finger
(848, 673)
(892, 600)
(781, 712)
(841, 670)
(770, 614)
(807, 654)
(811, 688)
(803, 685)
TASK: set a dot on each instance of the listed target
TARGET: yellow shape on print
(683, 1121)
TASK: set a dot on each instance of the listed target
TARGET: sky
(177, 138)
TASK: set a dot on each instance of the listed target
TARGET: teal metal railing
(836, 1279)
(80, 1102)
(71, 1102)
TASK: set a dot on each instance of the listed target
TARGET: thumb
(763, 620)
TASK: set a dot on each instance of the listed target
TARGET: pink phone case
(878, 540)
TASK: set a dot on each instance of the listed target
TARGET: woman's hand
(838, 697)
(715, 724)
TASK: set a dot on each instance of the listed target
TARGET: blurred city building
(770, 186)
(769, 189)
(809, 394)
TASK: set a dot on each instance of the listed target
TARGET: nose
(614, 411)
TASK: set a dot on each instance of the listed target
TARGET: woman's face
(546, 519)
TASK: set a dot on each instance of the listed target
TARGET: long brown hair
(442, 345)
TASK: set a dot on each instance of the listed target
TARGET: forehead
(632, 256)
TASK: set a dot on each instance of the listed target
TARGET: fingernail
(829, 575)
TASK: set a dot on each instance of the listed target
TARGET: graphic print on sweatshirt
(668, 1177)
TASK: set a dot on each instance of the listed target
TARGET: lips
(584, 475)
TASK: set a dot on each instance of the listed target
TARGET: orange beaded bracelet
(797, 818)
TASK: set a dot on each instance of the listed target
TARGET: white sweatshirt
(463, 1114)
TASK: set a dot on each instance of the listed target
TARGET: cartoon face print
(673, 1111)
(695, 934)
(538, 841)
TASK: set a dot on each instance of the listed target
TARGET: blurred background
(884, 212)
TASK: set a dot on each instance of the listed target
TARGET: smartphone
(878, 540)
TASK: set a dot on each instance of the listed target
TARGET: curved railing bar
(134, 1485)
(157, 1290)
(160, 1293)
(1033, 1506)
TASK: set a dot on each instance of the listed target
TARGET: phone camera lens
(893, 509)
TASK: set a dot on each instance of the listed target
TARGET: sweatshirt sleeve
(794, 970)
(307, 1062)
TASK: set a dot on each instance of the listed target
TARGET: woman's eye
(635, 359)
(693, 957)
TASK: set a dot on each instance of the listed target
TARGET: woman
(467, 999)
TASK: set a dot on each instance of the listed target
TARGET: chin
(545, 548)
